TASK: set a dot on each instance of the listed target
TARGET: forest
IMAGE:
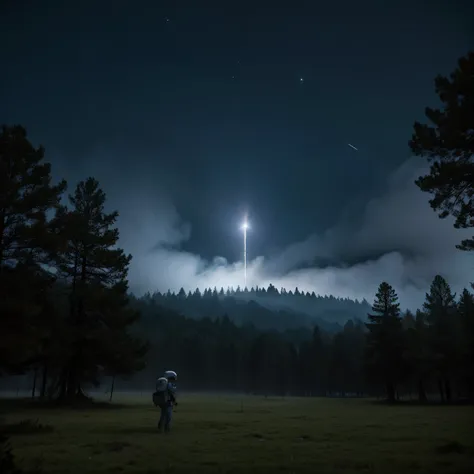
(68, 322)
(427, 353)
(266, 308)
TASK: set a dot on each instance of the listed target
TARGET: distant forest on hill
(265, 308)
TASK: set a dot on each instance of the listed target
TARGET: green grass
(247, 434)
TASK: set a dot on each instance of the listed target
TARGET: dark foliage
(385, 340)
(218, 354)
(64, 311)
(448, 143)
(7, 459)
(26, 195)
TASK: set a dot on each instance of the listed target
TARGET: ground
(245, 434)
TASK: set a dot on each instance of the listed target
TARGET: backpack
(160, 396)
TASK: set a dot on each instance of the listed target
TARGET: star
(301, 80)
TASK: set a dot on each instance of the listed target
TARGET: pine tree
(417, 353)
(271, 290)
(440, 309)
(95, 271)
(319, 363)
(385, 340)
(449, 146)
(26, 196)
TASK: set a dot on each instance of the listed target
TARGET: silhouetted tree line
(429, 353)
(433, 348)
(219, 354)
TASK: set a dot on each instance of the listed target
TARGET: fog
(397, 237)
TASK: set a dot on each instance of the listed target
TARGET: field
(245, 434)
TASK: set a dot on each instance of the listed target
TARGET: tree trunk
(74, 380)
(68, 382)
(44, 381)
(112, 388)
(441, 391)
(447, 389)
(33, 390)
(421, 391)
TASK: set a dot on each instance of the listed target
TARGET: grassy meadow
(243, 434)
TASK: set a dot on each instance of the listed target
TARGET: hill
(265, 308)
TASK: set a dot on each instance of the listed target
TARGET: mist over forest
(394, 233)
(266, 308)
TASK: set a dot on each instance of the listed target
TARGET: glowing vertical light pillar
(245, 227)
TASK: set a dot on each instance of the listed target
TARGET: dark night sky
(190, 116)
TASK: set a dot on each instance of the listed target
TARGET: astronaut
(165, 398)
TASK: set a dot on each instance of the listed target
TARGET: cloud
(399, 238)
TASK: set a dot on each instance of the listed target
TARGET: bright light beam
(245, 226)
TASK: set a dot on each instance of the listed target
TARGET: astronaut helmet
(171, 375)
